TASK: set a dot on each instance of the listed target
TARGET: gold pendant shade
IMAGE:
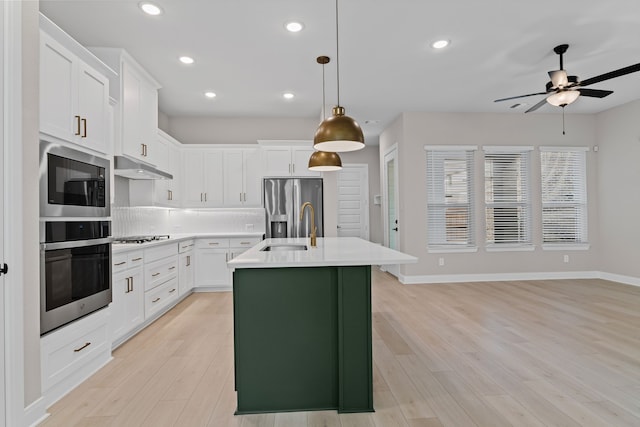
(324, 161)
(338, 133)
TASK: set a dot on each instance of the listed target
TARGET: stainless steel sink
(285, 247)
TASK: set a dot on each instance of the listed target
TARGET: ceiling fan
(563, 89)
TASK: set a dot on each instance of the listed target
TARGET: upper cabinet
(74, 97)
(242, 177)
(287, 158)
(137, 113)
(202, 178)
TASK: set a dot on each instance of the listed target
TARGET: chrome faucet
(313, 222)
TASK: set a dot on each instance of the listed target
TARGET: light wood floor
(543, 353)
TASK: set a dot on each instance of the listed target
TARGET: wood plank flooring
(536, 353)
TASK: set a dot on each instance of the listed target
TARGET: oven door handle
(75, 244)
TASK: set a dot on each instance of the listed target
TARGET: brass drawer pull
(213, 243)
(82, 348)
(78, 125)
(156, 300)
(172, 268)
(137, 259)
(120, 263)
(172, 290)
(155, 274)
(84, 122)
(245, 243)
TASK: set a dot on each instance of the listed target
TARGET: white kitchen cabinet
(203, 176)
(242, 177)
(72, 353)
(186, 267)
(137, 111)
(127, 305)
(74, 97)
(140, 114)
(127, 302)
(160, 279)
(212, 255)
(288, 161)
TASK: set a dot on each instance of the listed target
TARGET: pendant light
(339, 132)
(324, 161)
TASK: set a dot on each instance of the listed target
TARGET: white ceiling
(499, 48)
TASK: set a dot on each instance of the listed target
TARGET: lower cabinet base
(302, 339)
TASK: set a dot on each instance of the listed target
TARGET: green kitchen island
(302, 324)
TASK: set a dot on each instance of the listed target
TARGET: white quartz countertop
(330, 251)
(174, 238)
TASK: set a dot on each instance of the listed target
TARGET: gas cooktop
(140, 239)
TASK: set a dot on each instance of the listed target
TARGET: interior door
(390, 188)
(353, 201)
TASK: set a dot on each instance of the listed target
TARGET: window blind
(564, 195)
(450, 214)
(507, 195)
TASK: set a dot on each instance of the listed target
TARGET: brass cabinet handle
(84, 133)
(142, 153)
(201, 197)
(120, 263)
(82, 348)
(155, 274)
(156, 300)
(172, 290)
(172, 268)
(131, 284)
(188, 260)
(137, 259)
(289, 167)
(294, 168)
(77, 125)
(128, 285)
(192, 244)
(145, 150)
(245, 196)
(205, 197)
(213, 243)
(245, 243)
(240, 196)
(168, 194)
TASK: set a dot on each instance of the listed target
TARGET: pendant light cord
(563, 120)
(337, 55)
(323, 100)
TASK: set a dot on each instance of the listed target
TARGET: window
(564, 195)
(507, 199)
(450, 223)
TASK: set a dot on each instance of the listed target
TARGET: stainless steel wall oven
(75, 270)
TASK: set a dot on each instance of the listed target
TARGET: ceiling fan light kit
(563, 98)
(338, 133)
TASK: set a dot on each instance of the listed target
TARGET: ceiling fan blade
(611, 75)
(520, 96)
(538, 105)
(595, 93)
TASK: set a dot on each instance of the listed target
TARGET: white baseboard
(498, 277)
(35, 413)
(627, 280)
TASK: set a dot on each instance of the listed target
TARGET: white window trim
(510, 247)
(507, 148)
(566, 247)
(581, 148)
(451, 147)
(450, 250)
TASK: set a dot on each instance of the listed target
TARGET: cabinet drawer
(158, 252)
(244, 242)
(68, 349)
(160, 271)
(158, 298)
(212, 243)
(126, 260)
(185, 246)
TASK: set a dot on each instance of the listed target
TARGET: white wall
(619, 175)
(414, 130)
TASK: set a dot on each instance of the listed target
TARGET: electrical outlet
(440, 262)
(248, 227)
(566, 258)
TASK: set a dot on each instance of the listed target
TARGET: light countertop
(330, 251)
(174, 238)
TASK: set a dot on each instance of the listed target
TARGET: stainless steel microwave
(73, 183)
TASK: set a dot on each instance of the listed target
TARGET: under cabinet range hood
(127, 168)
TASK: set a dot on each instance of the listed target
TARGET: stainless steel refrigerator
(283, 198)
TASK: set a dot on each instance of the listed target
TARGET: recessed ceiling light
(440, 44)
(288, 95)
(186, 60)
(294, 26)
(150, 9)
(210, 94)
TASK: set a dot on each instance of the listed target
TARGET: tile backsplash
(135, 221)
